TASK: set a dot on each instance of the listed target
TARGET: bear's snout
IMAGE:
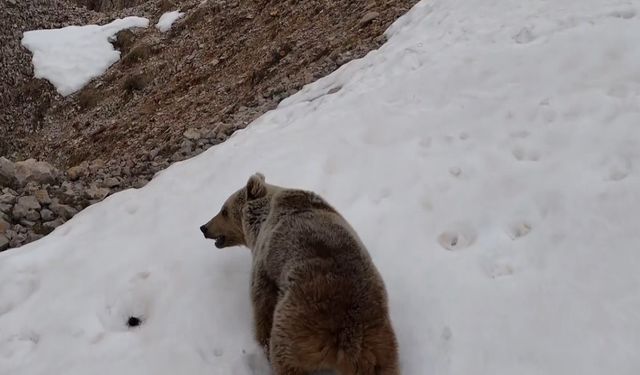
(220, 239)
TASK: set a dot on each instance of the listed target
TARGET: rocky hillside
(171, 96)
(108, 5)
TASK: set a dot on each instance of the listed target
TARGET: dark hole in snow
(134, 321)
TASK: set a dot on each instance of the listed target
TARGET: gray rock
(140, 183)
(7, 198)
(4, 243)
(10, 233)
(78, 171)
(37, 171)
(19, 212)
(28, 223)
(29, 202)
(192, 134)
(4, 226)
(111, 182)
(26, 208)
(32, 216)
(368, 17)
(18, 240)
(34, 236)
(7, 172)
(64, 211)
(5, 208)
(9, 191)
(51, 225)
(186, 146)
(42, 196)
(150, 156)
(31, 187)
(47, 215)
(69, 188)
(98, 193)
(96, 165)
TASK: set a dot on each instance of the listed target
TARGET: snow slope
(71, 56)
(167, 19)
(488, 155)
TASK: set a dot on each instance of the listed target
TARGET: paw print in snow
(522, 154)
(524, 36)
(18, 346)
(457, 237)
(499, 269)
(618, 168)
(16, 288)
(518, 229)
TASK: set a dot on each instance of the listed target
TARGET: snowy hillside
(71, 56)
(489, 157)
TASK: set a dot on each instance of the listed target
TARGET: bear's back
(303, 229)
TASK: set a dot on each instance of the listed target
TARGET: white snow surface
(488, 155)
(167, 19)
(72, 56)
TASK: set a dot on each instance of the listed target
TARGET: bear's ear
(256, 187)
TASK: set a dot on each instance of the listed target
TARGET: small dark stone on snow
(134, 321)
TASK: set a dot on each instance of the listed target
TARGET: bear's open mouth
(219, 241)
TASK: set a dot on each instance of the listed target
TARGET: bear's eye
(224, 212)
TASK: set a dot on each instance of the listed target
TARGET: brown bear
(319, 302)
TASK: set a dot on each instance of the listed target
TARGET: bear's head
(226, 227)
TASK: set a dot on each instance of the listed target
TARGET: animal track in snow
(17, 346)
(524, 36)
(128, 308)
(498, 269)
(522, 154)
(618, 167)
(17, 288)
(457, 237)
(446, 333)
(626, 14)
(518, 229)
(410, 59)
(426, 203)
(381, 195)
(444, 348)
(425, 142)
(423, 147)
(455, 171)
(520, 134)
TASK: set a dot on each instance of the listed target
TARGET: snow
(167, 19)
(488, 154)
(71, 56)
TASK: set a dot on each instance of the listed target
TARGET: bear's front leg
(264, 295)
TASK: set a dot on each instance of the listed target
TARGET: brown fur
(319, 301)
